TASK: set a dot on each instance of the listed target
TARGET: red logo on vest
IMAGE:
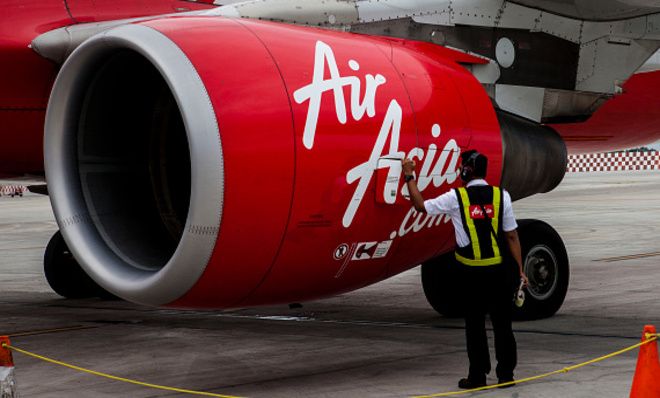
(477, 214)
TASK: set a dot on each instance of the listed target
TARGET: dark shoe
(502, 381)
(469, 384)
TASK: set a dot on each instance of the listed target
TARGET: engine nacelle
(210, 162)
(535, 156)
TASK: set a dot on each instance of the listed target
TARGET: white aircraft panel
(308, 12)
(562, 27)
(652, 64)
(382, 10)
(521, 100)
(475, 12)
(486, 73)
(594, 31)
(633, 28)
(518, 17)
(612, 62)
(443, 18)
(587, 62)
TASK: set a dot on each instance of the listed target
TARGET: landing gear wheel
(545, 263)
(440, 282)
(65, 276)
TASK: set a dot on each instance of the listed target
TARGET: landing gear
(65, 276)
(545, 263)
(440, 280)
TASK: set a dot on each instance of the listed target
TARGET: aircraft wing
(595, 10)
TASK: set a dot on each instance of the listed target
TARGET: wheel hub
(542, 271)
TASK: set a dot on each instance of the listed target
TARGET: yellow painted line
(48, 331)
(628, 257)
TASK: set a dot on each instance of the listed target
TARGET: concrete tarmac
(381, 341)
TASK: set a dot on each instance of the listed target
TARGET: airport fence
(614, 161)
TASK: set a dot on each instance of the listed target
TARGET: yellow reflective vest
(481, 213)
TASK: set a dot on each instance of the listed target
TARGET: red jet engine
(206, 162)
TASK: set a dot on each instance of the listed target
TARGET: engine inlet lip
(185, 267)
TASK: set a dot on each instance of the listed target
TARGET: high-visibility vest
(483, 229)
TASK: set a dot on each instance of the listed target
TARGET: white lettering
(415, 221)
(313, 92)
(368, 104)
(450, 174)
(444, 170)
(436, 172)
(364, 172)
(418, 222)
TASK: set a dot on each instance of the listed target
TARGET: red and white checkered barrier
(614, 161)
(12, 190)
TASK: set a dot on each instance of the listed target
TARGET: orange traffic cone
(7, 382)
(646, 382)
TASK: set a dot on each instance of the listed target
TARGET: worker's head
(473, 165)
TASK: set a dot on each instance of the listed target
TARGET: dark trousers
(489, 290)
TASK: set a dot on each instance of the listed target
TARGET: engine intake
(138, 197)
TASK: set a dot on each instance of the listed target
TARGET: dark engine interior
(134, 160)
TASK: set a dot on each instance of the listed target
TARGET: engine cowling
(212, 162)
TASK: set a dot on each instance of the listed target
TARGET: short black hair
(479, 163)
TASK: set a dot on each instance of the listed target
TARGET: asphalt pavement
(381, 341)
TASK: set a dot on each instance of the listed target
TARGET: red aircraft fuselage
(26, 78)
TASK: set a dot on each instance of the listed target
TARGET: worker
(483, 220)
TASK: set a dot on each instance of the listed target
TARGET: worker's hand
(523, 277)
(408, 166)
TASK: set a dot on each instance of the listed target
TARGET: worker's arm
(415, 196)
(514, 248)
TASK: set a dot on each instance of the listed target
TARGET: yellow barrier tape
(647, 339)
(111, 377)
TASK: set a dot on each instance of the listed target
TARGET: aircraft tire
(64, 274)
(545, 263)
(439, 280)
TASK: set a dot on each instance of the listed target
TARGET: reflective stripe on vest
(476, 246)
